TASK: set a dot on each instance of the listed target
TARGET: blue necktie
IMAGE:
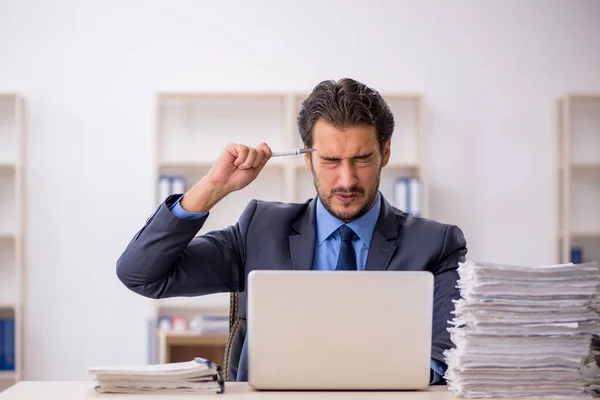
(347, 258)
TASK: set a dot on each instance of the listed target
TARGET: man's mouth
(346, 196)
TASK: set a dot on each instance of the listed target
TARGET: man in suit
(348, 225)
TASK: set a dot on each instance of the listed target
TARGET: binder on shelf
(164, 323)
(170, 184)
(576, 255)
(151, 333)
(178, 184)
(2, 351)
(408, 195)
(7, 344)
(164, 187)
(414, 190)
(401, 194)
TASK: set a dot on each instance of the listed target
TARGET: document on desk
(196, 376)
(522, 331)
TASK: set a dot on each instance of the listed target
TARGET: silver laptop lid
(339, 330)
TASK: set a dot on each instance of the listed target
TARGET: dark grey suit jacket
(166, 258)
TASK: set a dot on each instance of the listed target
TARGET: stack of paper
(591, 371)
(522, 331)
(197, 376)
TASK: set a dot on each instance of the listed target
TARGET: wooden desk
(81, 390)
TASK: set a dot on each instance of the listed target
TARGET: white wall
(490, 73)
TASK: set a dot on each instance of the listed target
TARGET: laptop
(339, 330)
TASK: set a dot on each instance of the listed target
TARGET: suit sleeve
(165, 258)
(179, 212)
(454, 250)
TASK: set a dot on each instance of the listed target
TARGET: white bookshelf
(12, 163)
(193, 129)
(579, 177)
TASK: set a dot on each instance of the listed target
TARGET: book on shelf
(196, 376)
(7, 344)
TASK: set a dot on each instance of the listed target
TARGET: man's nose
(347, 177)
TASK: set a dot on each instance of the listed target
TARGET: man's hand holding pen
(235, 168)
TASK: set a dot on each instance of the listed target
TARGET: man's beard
(348, 216)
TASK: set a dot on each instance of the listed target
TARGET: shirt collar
(364, 226)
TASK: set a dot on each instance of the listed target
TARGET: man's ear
(387, 152)
(307, 160)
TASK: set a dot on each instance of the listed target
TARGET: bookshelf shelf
(193, 336)
(579, 234)
(579, 178)
(7, 379)
(193, 129)
(12, 230)
(183, 346)
(185, 165)
(584, 234)
(586, 165)
(212, 300)
(7, 375)
(195, 166)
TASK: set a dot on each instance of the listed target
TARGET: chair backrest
(235, 340)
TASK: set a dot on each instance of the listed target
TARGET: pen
(292, 152)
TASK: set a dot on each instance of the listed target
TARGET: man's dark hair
(343, 104)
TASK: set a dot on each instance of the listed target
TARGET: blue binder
(576, 255)
(2, 351)
(9, 344)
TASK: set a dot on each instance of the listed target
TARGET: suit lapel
(302, 240)
(382, 247)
